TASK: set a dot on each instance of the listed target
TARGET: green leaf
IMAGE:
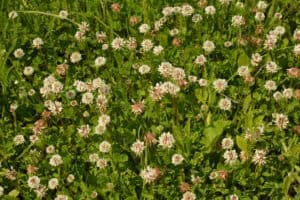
(120, 157)
(246, 103)
(14, 193)
(243, 59)
(242, 143)
(213, 133)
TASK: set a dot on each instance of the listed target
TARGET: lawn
(150, 99)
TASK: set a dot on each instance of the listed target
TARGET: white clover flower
(280, 120)
(188, 196)
(297, 50)
(202, 82)
(278, 16)
(53, 183)
(288, 93)
(144, 28)
(104, 147)
(187, 10)
(225, 104)
(147, 45)
(118, 43)
(75, 57)
(243, 71)
(19, 53)
(196, 18)
(12, 15)
(63, 14)
(37, 43)
(240, 4)
(28, 71)
(270, 85)
(19, 139)
(157, 50)
(93, 157)
(296, 35)
(256, 59)
(237, 21)
(1, 191)
(149, 174)
(102, 163)
(166, 140)
(50, 149)
(167, 11)
(230, 156)
(259, 16)
(61, 197)
(105, 46)
(100, 61)
(200, 60)
(174, 32)
(138, 147)
(70, 178)
(234, 197)
(279, 30)
(208, 46)
(259, 157)
(227, 143)
(261, 5)
(277, 96)
(271, 67)
(144, 69)
(56, 160)
(210, 10)
(83, 27)
(33, 182)
(55, 107)
(84, 130)
(220, 85)
(177, 159)
(87, 98)
(192, 79)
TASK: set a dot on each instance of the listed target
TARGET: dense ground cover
(149, 99)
